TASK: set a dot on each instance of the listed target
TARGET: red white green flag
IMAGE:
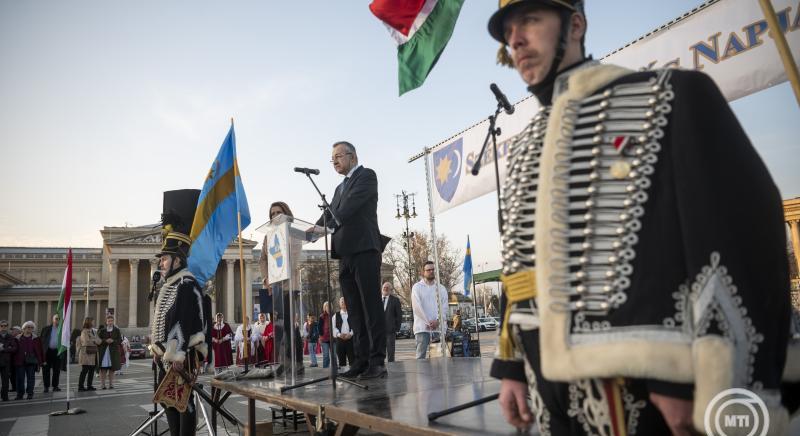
(421, 29)
(65, 307)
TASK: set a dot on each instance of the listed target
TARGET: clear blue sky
(104, 105)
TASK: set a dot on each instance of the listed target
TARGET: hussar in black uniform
(178, 332)
(644, 250)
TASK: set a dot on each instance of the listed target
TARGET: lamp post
(407, 214)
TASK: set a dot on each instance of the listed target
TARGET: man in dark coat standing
(393, 315)
(8, 346)
(52, 360)
(358, 245)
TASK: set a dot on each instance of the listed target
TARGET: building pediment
(153, 238)
(7, 280)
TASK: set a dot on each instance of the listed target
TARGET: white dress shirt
(423, 303)
(345, 326)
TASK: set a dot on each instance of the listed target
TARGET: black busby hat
(176, 221)
(505, 7)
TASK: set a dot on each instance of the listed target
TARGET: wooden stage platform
(398, 404)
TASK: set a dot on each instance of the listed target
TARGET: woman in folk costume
(258, 331)
(268, 342)
(251, 346)
(178, 329)
(221, 336)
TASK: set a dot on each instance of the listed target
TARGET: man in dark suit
(393, 315)
(53, 362)
(358, 245)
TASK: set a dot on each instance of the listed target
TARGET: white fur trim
(791, 372)
(198, 341)
(197, 338)
(713, 359)
(172, 354)
(157, 349)
(645, 358)
(202, 349)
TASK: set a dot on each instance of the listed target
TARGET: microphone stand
(326, 209)
(492, 133)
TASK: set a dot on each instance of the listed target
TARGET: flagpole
(246, 350)
(783, 48)
(442, 321)
(475, 308)
(246, 355)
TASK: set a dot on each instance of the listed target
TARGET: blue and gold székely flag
(215, 221)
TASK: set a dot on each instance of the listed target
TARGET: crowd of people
(23, 354)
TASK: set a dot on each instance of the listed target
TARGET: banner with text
(726, 39)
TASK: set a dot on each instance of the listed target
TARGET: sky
(106, 104)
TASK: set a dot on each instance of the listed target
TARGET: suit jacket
(356, 207)
(44, 334)
(393, 314)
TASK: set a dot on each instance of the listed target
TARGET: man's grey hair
(350, 147)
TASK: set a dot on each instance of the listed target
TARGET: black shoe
(374, 371)
(30, 396)
(46, 390)
(56, 389)
(91, 388)
(353, 372)
(81, 389)
(18, 397)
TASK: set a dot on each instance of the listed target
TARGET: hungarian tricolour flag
(65, 307)
(421, 29)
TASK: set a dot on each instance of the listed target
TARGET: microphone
(501, 100)
(154, 289)
(306, 171)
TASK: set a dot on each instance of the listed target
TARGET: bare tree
(408, 271)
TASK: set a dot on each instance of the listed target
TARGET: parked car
(487, 323)
(469, 324)
(405, 331)
(138, 351)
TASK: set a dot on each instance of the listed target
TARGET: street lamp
(407, 235)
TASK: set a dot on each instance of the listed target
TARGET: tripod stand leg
(207, 423)
(141, 429)
(435, 415)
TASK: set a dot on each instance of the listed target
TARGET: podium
(285, 237)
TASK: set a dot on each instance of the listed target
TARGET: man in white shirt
(426, 310)
(344, 335)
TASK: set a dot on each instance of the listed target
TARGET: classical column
(794, 227)
(97, 310)
(112, 286)
(248, 288)
(22, 314)
(229, 291)
(153, 269)
(36, 312)
(10, 306)
(133, 297)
